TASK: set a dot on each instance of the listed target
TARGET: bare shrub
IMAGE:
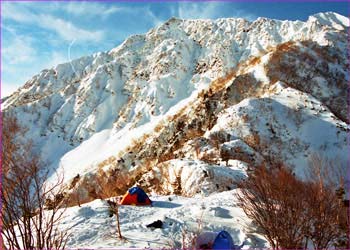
(185, 238)
(271, 197)
(106, 192)
(289, 212)
(113, 204)
(31, 208)
(327, 208)
(188, 238)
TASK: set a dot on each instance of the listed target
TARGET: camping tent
(135, 196)
(216, 241)
(223, 241)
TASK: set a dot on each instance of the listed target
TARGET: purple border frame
(347, 184)
(1, 125)
(161, 1)
(145, 1)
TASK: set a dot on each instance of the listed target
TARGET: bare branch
(26, 221)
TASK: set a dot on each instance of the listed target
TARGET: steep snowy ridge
(148, 74)
(190, 106)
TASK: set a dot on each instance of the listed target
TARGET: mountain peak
(331, 19)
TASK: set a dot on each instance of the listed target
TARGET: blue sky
(39, 35)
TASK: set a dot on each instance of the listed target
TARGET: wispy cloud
(210, 10)
(16, 12)
(21, 55)
(194, 10)
(152, 17)
(19, 51)
(65, 29)
(91, 9)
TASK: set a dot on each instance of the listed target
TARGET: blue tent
(223, 241)
(141, 195)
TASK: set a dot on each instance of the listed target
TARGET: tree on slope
(30, 207)
(289, 212)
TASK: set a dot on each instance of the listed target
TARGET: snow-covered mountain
(189, 106)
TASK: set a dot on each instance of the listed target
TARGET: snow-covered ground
(92, 227)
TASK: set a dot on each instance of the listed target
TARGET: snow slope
(197, 214)
(291, 135)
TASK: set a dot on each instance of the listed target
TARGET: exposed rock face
(189, 97)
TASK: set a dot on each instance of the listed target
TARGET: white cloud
(90, 9)
(16, 12)
(209, 10)
(19, 51)
(67, 30)
(12, 80)
(197, 10)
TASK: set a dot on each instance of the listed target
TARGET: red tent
(135, 196)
